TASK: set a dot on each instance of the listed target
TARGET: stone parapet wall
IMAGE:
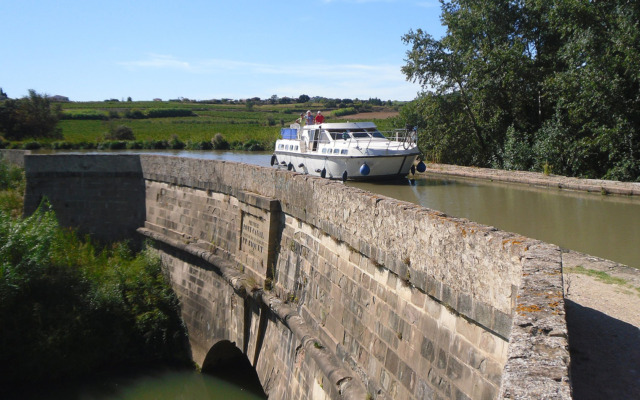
(381, 295)
(15, 157)
(99, 195)
(452, 259)
(343, 248)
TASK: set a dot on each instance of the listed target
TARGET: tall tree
(526, 82)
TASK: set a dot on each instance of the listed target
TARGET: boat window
(325, 136)
(338, 134)
(359, 134)
(324, 150)
(377, 134)
(336, 151)
(344, 151)
(280, 146)
(296, 147)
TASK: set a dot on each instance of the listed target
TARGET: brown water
(602, 226)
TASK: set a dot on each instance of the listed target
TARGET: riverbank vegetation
(252, 124)
(519, 85)
(69, 307)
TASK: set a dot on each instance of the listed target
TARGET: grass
(602, 277)
(599, 275)
(237, 123)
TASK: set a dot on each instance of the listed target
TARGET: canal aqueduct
(330, 291)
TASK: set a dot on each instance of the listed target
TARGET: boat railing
(399, 139)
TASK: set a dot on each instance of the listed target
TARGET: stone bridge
(328, 290)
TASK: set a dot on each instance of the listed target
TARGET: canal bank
(538, 179)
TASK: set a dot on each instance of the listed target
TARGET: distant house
(157, 99)
(59, 98)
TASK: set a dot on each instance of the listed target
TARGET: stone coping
(538, 179)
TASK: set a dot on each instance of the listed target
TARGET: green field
(85, 124)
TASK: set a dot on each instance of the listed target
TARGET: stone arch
(226, 361)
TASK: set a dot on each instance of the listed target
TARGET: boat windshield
(365, 133)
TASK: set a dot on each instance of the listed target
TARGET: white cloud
(313, 77)
(158, 61)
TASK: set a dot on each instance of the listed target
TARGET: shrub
(175, 143)
(135, 145)
(121, 132)
(32, 145)
(134, 114)
(345, 111)
(169, 112)
(219, 142)
(62, 145)
(84, 116)
(253, 145)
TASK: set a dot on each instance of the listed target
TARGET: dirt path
(603, 319)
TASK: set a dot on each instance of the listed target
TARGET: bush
(84, 116)
(120, 132)
(32, 146)
(135, 145)
(345, 111)
(134, 114)
(219, 142)
(62, 145)
(169, 112)
(175, 143)
(253, 145)
(67, 308)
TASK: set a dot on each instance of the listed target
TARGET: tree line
(526, 84)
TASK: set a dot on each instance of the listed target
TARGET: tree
(303, 98)
(517, 79)
(32, 116)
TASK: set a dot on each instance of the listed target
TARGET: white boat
(351, 150)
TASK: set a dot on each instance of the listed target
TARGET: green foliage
(120, 132)
(89, 114)
(345, 111)
(219, 142)
(169, 112)
(517, 84)
(32, 116)
(68, 308)
(12, 184)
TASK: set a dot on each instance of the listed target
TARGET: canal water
(139, 385)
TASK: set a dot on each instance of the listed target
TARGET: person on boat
(319, 118)
(301, 119)
(309, 118)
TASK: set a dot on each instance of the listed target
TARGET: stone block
(483, 314)
(428, 349)
(502, 324)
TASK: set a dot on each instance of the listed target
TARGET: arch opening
(227, 362)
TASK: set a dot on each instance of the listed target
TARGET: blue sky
(96, 50)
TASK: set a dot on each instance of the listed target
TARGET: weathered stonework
(368, 295)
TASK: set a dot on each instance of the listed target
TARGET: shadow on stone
(605, 355)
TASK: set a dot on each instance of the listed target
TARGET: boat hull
(334, 167)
